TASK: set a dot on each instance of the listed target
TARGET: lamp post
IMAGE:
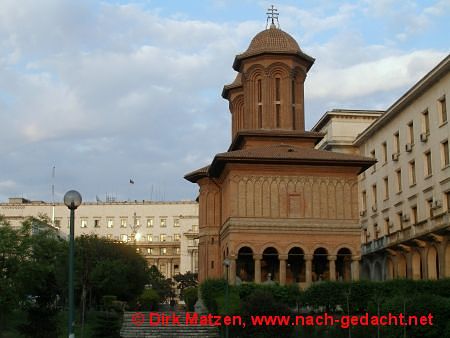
(226, 264)
(72, 199)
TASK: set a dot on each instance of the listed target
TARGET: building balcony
(437, 225)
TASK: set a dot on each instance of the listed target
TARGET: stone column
(232, 271)
(308, 269)
(282, 259)
(355, 267)
(257, 258)
(332, 266)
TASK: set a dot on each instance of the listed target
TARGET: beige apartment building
(340, 128)
(405, 197)
(165, 233)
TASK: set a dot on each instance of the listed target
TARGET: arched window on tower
(293, 104)
(259, 103)
(277, 103)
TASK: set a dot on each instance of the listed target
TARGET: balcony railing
(436, 223)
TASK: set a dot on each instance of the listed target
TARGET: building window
(372, 154)
(137, 221)
(442, 106)
(123, 238)
(376, 230)
(386, 187)
(163, 222)
(150, 222)
(364, 200)
(374, 197)
(138, 250)
(411, 132)
(399, 180)
(259, 103)
(414, 214)
(445, 154)
(149, 251)
(177, 251)
(110, 222)
(96, 223)
(384, 152)
(58, 223)
(123, 222)
(162, 237)
(412, 173)
(176, 237)
(163, 251)
(84, 222)
(149, 238)
(400, 219)
(109, 236)
(397, 143)
(176, 222)
(387, 228)
(195, 228)
(428, 168)
(447, 199)
(429, 207)
(426, 122)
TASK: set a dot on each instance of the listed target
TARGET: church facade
(273, 207)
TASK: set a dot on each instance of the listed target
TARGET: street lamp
(72, 199)
(226, 264)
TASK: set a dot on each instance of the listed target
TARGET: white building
(405, 197)
(165, 233)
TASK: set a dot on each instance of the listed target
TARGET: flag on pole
(131, 181)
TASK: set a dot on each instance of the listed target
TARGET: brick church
(272, 206)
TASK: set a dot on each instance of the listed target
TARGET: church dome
(272, 40)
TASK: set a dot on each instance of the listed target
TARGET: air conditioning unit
(408, 147)
(374, 207)
(405, 218)
(362, 213)
(436, 204)
(424, 137)
(395, 156)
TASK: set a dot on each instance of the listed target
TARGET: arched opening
(344, 265)
(270, 265)
(389, 268)
(401, 266)
(320, 265)
(416, 266)
(365, 271)
(447, 260)
(433, 263)
(245, 267)
(377, 271)
(296, 266)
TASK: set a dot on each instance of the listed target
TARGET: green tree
(14, 245)
(45, 260)
(163, 286)
(187, 280)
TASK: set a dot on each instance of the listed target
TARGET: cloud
(366, 78)
(107, 91)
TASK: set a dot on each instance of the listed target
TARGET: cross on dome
(272, 14)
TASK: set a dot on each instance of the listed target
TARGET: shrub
(108, 301)
(190, 296)
(211, 289)
(106, 325)
(259, 303)
(149, 300)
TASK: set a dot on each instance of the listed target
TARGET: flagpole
(53, 195)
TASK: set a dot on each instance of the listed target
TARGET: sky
(108, 91)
